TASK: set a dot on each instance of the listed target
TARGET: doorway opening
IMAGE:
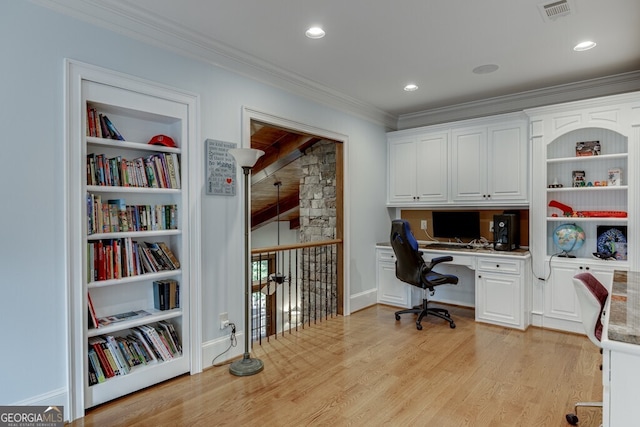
(297, 194)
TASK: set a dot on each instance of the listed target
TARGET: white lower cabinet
(561, 306)
(501, 296)
(620, 387)
(392, 291)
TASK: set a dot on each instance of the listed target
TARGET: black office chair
(411, 268)
(592, 296)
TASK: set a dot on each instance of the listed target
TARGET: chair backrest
(409, 261)
(592, 296)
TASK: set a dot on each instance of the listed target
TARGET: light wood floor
(368, 369)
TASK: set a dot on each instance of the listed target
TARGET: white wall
(34, 42)
(267, 235)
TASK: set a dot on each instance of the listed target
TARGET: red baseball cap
(165, 140)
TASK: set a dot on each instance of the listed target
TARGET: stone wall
(317, 223)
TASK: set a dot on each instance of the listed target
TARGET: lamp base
(246, 366)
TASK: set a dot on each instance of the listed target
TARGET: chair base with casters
(573, 417)
(423, 310)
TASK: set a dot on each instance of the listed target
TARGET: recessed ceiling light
(411, 87)
(584, 46)
(485, 69)
(315, 33)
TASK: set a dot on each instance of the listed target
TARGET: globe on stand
(568, 237)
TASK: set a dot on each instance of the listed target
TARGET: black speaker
(506, 232)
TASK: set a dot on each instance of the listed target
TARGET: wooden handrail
(295, 246)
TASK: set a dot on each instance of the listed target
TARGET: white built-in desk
(496, 283)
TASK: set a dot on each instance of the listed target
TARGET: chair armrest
(438, 260)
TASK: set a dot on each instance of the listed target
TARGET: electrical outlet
(423, 224)
(224, 320)
(491, 226)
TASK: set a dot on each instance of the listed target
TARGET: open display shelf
(593, 204)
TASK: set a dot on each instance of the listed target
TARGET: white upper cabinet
(489, 164)
(418, 169)
(475, 162)
(469, 164)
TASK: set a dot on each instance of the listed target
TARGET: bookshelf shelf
(133, 190)
(118, 386)
(133, 279)
(154, 316)
(118, 273)
(129, 145)
(587, 159)
(585, 189)
(142, 234)
(599, 220)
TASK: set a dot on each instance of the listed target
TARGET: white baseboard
(59, 398)
(363, 300)
(53, 398)
(219, 349)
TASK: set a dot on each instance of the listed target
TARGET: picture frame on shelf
(612, 241)
(587, 148)
(578, 179)
(614, 177)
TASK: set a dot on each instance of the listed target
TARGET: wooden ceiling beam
(280, 154)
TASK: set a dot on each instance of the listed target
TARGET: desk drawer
(499, 265)
(386, 255)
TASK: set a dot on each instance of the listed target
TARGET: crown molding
(131, 21)
(586, 89)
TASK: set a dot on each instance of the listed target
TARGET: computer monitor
(460, 224)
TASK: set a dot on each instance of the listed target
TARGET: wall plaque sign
(220, 168)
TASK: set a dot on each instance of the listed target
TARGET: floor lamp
(246, 158)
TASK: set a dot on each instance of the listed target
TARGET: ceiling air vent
(555, 10)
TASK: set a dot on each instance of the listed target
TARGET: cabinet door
(390, 290)
(561, 306)
(432, 168)
(622, 403)
(507, 162)
(498, 298)
(469, 165)
(402, 170)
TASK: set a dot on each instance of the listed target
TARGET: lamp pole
(246, 158)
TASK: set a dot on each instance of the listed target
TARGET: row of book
(166, 294)
(114, 215)
(111, 356)
(100, 126)
(158, 170)
(117, 258)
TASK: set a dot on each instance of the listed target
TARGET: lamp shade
(246, 157)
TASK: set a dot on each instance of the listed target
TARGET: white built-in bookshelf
(131, 228)
(583, 155)
(597, 203)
